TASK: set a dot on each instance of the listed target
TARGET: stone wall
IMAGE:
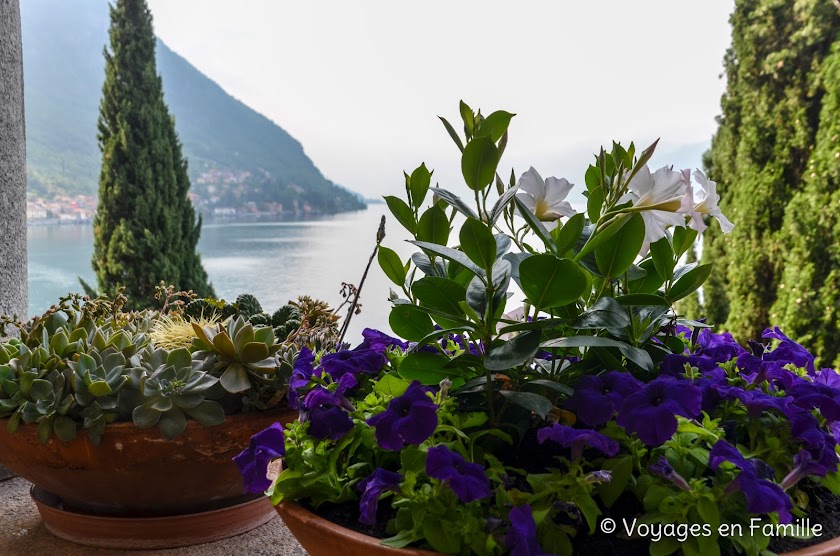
(13, 285)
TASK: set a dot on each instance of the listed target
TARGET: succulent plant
(177, 388)
(236, 353)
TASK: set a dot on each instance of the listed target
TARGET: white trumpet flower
(658, 197)
(545, 198)
(708, 204)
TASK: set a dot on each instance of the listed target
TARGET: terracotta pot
(320, 537)
(135, 472)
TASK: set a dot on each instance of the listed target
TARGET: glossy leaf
(616, 254)
(663, 258)
(452, 133)
(502, 203)
(530, 401)
(442, 294)
(429, 368)
(391, 265)
(689, 282)
(636, 355)
(515, 352)
(479, 162)
(567, 236)
(410, 323)
(478, 243)
(402, 212)
(433, 226)
(551, 282)
(495, 125)
(452, 254)
(536, 226)
(418, 184)
(455, 202)
(605, 313)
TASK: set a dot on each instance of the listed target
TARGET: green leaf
(513, 353)
(665, 546)
(451, 131)
(41, 390)
(144, 416)
(442, 294)
(391, 385)
(402, 212)
(434, 226)
(42, 432)
(642, 299)
(64, 428)
(179, 358)
(495, 125)
(530, 401)
(535, 225)
(479, 162)
(172, 424)
(428, 368)
(616, 254)
(477, 290)
(663, 257)
(567, 236)
(467, 116)
(438, 537)
(594, 203)
(235, 379)
(621, 469)
(391, 265)
(636, 355)
(683, 239)
(253, 352)
(689, 282)
(409, 322)
(478, 243)
(99, 388)
(208, 413)
(502, 203)
(452, 254)
(551, 282)
(650, 282)
(419, 183)
(605, 313)
(455, 202)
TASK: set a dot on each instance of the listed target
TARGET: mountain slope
(236, 155)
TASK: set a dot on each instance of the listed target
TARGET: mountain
(236, 155)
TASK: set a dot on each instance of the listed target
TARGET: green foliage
(771, 120)
(690, 306)
(86, 363)
(145, 226)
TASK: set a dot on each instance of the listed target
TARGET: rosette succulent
(177, 388)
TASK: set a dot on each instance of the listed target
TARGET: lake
(274, 260)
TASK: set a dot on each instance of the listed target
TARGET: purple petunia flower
(803, 465)
(810, 395)
(829, 377)
(763, 496)
(353, 361)
(324, 411)
(468, 480)
(663, 468)
(650, 412)
(372, 488)
(720, 347)
(578, 439)
(409, 419)
(265, 446)
(788, 351)
(381, 342)
(521, 538)
(674, 364)
(757, 402)
(597, 397)
(301, 373)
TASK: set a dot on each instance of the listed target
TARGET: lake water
(274, 260)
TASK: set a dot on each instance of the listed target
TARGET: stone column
(13, 281)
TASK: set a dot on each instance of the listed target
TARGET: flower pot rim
(319, 525)
(294, 512)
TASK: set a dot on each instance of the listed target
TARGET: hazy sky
(360, 83)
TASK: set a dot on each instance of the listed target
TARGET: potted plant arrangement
(125, 421)
(595, 419)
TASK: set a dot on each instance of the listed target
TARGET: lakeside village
(80, 209)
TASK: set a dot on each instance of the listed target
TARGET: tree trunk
(13, 282)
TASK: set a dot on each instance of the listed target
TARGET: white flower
(545, 198)
(708, 204)
(661, 196)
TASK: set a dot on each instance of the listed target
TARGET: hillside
(236, 155)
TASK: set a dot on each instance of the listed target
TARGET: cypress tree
(145, 229)
(808, 303)
(769, 121)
